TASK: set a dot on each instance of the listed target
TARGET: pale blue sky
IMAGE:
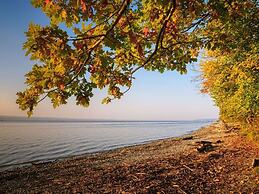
(154, 96)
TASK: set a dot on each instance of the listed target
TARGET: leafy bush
(232, 80)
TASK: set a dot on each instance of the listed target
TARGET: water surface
(22, 141)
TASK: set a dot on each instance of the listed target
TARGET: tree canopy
(102, 44)
(230, 72)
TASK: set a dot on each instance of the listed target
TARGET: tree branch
(83, 37)
(86, 37)
(183, 42)
(160, 36)
(197, 23)
(90, 50)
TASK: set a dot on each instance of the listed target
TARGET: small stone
(219, 141)
(255, 163)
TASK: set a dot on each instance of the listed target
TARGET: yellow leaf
(63, 14)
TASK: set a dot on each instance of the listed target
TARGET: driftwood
(205, 146)
(215, 156)
(187, 138)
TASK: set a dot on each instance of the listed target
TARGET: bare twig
(188, 168)
(197, 23)
(86, 37)
(178, 187)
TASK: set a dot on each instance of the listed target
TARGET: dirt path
(165, 166)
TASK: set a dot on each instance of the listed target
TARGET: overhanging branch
(160, 36)
(90, 50)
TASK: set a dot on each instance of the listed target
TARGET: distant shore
(210, 160)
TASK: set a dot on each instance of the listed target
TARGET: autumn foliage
(230, 70)
(104, 43)
(234, 86)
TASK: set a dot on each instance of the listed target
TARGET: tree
(233, 83)
(231, 73)
(104, 43)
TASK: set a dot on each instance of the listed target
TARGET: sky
(154, 96)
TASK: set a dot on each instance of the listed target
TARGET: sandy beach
(210, 160)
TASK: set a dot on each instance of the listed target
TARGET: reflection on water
(21, 141)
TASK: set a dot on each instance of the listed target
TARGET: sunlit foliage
(233, 82)
(231, 71)
(102, 44)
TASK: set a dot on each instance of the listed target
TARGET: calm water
(22, 142)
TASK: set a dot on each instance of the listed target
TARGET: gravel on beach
(210, 160)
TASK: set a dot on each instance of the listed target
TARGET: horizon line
(24, 118)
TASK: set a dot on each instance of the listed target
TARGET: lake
(23, 141)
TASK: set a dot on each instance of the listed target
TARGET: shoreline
(167, 165)
(11, 167)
